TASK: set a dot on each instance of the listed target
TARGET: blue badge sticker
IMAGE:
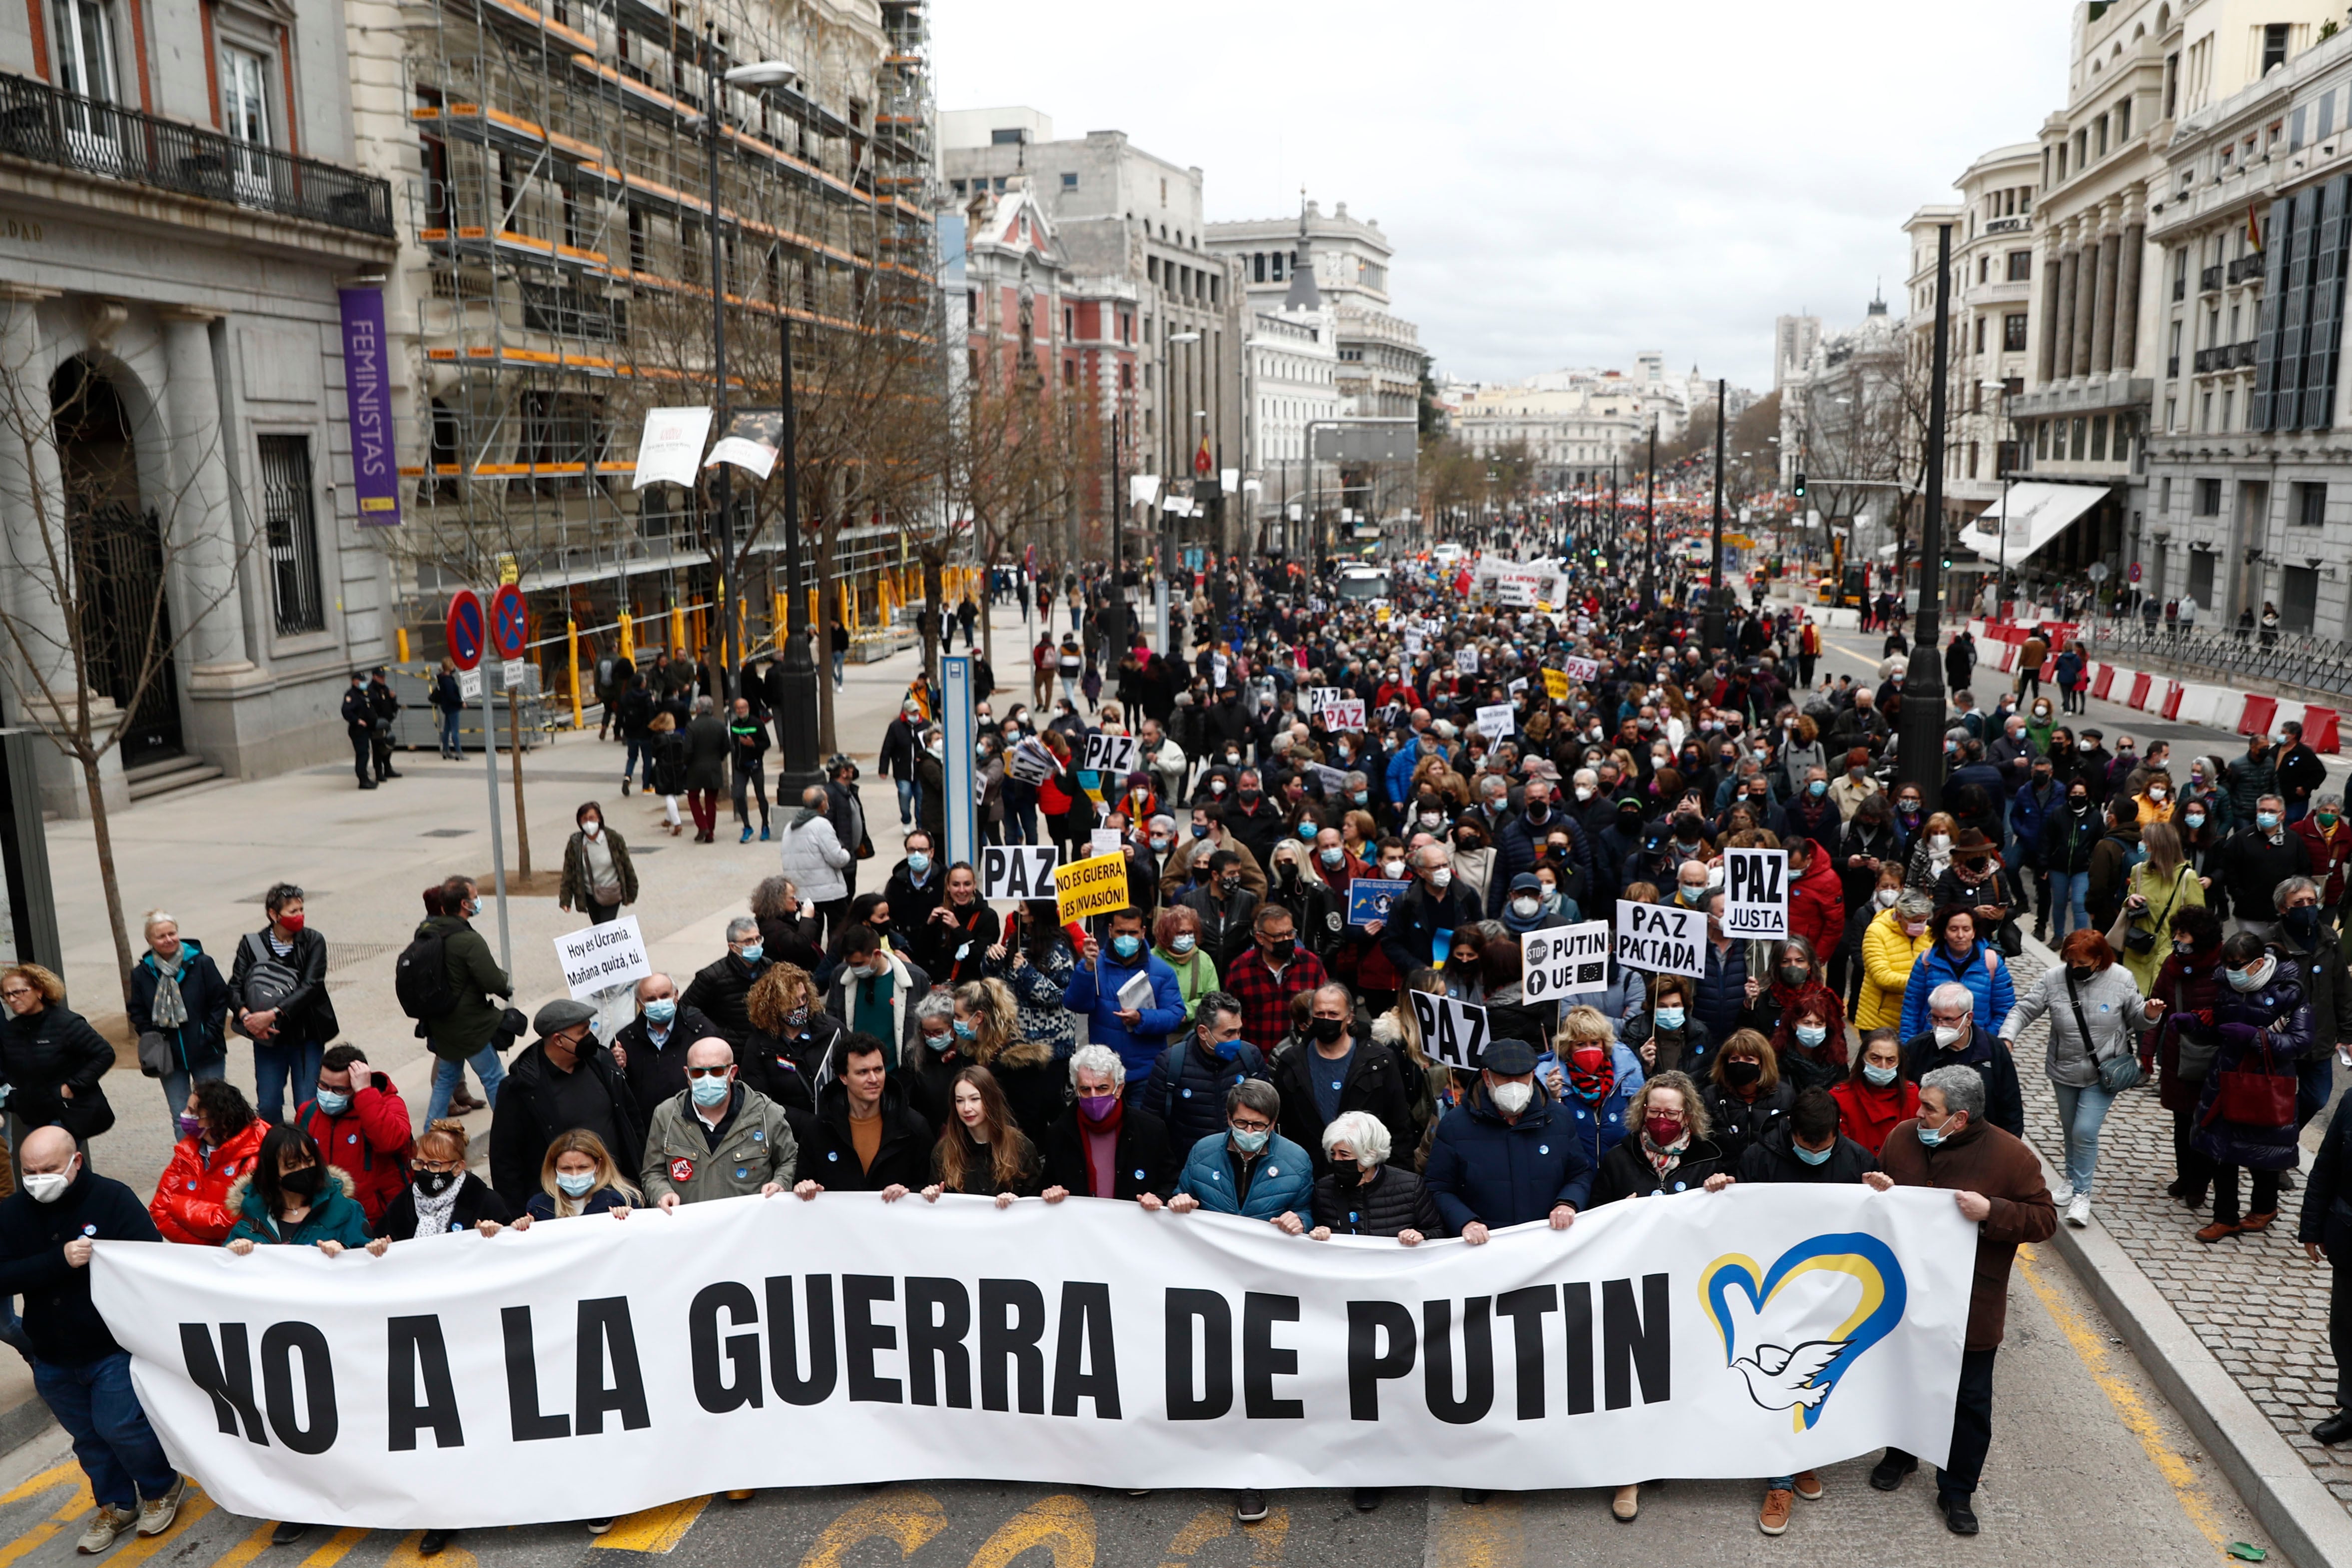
(741, 1172)
(1139, 1176)
(1274, 1170)
(351, 1138)
(758, 1135)
(1188, 1094)
(832, 1154)
(1543, 1148)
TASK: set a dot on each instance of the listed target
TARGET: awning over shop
(2036, 515)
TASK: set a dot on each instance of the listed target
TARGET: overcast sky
(1566, 182)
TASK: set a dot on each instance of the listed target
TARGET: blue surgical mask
(1308, 830)
(1668, 1017)
(1818, 788)
(1881, 1076)
(1182, 944)
(709, 1092)
(1362, 796)
(1817, 1156)
(662, 1010)
(1249, 1142)
(752, 953)
(1813, 1034)
(1331, 857)
(1930, 1136)
(2266, 820)
(1126, 946)
(576, 1183)
(918, 863)
(333, 1104)
(963, 1030)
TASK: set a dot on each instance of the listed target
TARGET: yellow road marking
(253, 1546)
(55, 1475)
(77, 1503)
(1488, 1536)
(193, 1507)
(2091, 1349)
(1265, 1537)
(406, 1555)
(1061, 1522)
(332, 1552)
(907, 1519)
(655, 1529)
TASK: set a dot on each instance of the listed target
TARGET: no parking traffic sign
(466, 629)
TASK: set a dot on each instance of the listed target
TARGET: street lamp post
(1650, 507)
(1920, 759)
(1712, 632)
(2001, 590)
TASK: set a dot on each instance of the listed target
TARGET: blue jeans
(637, 747)
(283, 1070)
(907, 802)
(840, 663)
(2080, 1113)
(2067, 891)
(177, 1084)
(450, 745)
(119, 1451)
(448, 1077)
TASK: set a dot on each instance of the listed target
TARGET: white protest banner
(1662, 939)
(595, 1369)
(1110, 753)
(1334, 780)
(1104, 841)
(1566, 961)
(602, 957)
(1755, 893)
(1452, 1032)
(1580, 668)
(1465, 659)
(1412, 642)
(1016, 871)
(1497, 721)
(1518, 685)
(669, 447)
(1344, 714)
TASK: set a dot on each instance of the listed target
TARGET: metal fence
(40, 122)
(2227, 656)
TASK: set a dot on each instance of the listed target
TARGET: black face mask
(2079, 802)
(2303, 923)
(1740, 1073)
(433, 1183)
(303, 1184)
(1280, 949)
(1328, 1030)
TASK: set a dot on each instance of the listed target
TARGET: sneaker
(430, 1543)
(2061, 1191)
(2078, 1210)
(1626, 1504)
(747, 835)
(1888, 1473)
(625, 786)
(1809, 1486)
(1249, 1505)
(763, 832)
(287, 1533)
(104, 1525)
(1774, 1519)
(1367, 1498)
(156, 1513)
(1959, 1517)
(599, 1526)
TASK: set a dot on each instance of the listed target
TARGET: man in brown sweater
(1998, 1183)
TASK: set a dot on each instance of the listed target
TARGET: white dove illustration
(1779, 1378)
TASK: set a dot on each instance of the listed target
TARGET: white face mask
(1886, 897)
(1511, 1098)
(49, 1187)
(1939, 842)
(1441, 879)
(1525, 907)
(1392, 869)
(1584, 792)
(1947, 1037)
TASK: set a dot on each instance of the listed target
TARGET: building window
(2310, 506)
(2123, 120)
(2081, 434)
(1069, 373)
(1257, 267)
(2274, 37)
(2099, 439)
(1980, 333)
(2100, 127)
(292, 534)
(2012, 333)
(2020, 266)
(2209, 497)
(1070, 181)
(2041, 440)
(86, 50)
(2164, 496)
(2229, 407)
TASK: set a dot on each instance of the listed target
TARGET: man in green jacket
(719, 1139)
(465, 1032)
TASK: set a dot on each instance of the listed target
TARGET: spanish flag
(1201, 461)
(2253, 230)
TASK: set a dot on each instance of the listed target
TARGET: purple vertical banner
(367, 395)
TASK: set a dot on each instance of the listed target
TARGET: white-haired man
(1101, 1148)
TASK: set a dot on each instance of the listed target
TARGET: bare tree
(89, 632)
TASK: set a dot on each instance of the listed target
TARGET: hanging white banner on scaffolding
(753, 438)
(1144, 488)
(670, 448)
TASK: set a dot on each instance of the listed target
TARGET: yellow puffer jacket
(1887, 956)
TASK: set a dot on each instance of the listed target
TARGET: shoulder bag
(2260, 1099)
(2140, 940)
(2117, 1072)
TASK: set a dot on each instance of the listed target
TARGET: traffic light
(1800, 481)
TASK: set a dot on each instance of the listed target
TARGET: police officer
(359, 723)
(383, 709)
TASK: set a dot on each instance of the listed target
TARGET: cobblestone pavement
(2257, 1303)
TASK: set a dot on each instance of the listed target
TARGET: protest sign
(1465, 659)
(1756, 893)
(1566, 961)
(1497, 721)
(602, 957)
(1104, 841)
(1110, 754)
(843, 1342)
(1334, 780)
(1412, 642)
(1095, 886)
(1319, 696)
(1030, 762)
(1662, 939)
(1556, 685)
(1344, 714)
(1016, 871)
(1452, 1032)
(1369, 898)
(1580, 669)
(1518, 685)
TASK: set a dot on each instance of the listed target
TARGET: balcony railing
(38, 123)
(2209, 279)
(2246, 266)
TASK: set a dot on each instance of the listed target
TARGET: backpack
(268, 981)
(420, 978)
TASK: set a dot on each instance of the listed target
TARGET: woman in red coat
(220, 1136)
(1876, 1097)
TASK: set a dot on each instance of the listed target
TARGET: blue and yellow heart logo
(1800, 1377)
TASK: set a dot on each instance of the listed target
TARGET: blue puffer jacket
(1600, 1126)
(1285, 1179)
(2243, 1022)
(1099, 1002)
(1187, 1087)
(1505, 1172)
(2028, 810)
(1995, 996)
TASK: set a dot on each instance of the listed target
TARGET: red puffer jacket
(370, 1140)
(191, 1201)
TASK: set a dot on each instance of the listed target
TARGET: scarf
(433, 1213)
(1663, 1161)
(1596, 1084)
(170, 1009)
(806, 815)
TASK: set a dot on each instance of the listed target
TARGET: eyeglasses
(435, 1167)
(1241, 1126)
(711, 1072)
(17, 991)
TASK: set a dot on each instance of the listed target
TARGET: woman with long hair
(1035, 958)
(988, 1031)
(2156, 891)
(981, 1148)
(1931, 852)
(578, 1176)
